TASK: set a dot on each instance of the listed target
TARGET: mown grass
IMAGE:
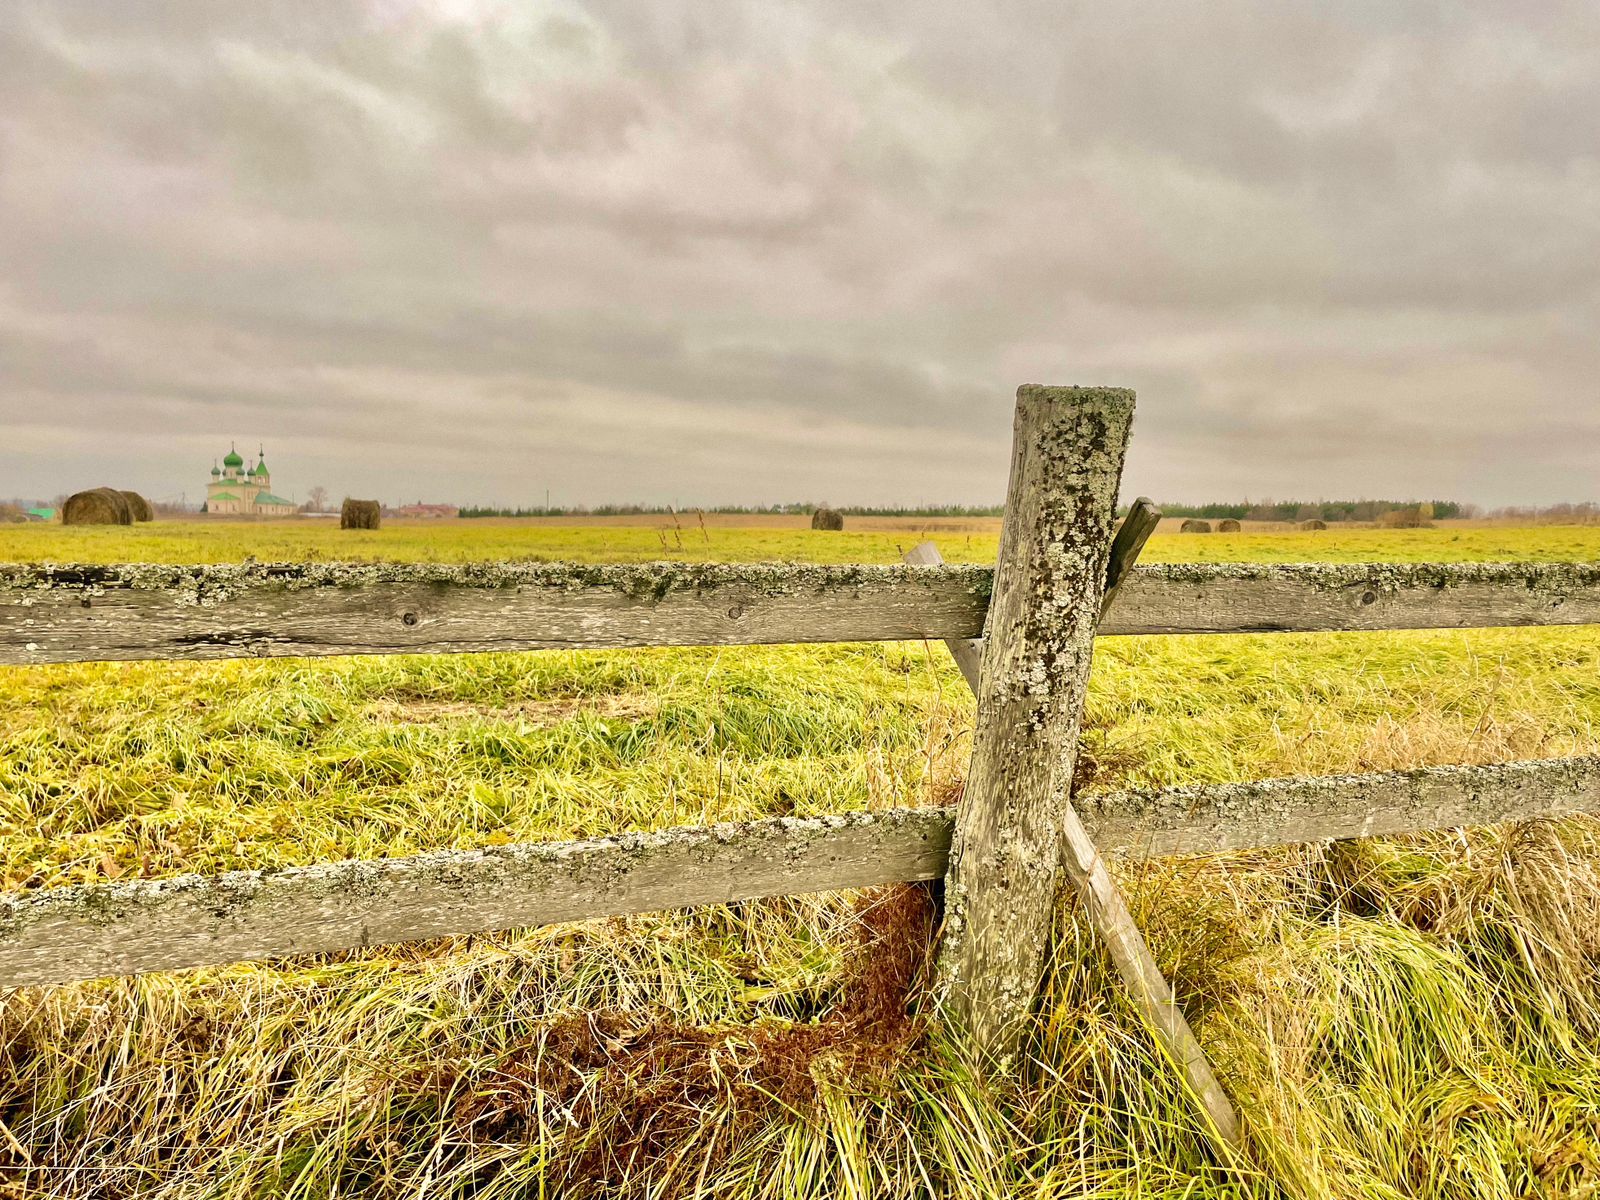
(1396, 1018)
(472, 541)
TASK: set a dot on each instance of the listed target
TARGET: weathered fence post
(1005, 858)
(1102, 901)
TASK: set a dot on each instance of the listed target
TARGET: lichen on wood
(1310, 597)
(76, 613)
(54, 613)
(100, 929)
(1271, 812)
(1388, 577)
(631, 579)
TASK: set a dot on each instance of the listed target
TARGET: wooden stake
(968, 652)
(1135, 530)
(1152, 995)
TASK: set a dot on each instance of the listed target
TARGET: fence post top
(1110, 397)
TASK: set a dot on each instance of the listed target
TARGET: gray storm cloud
(757, 252)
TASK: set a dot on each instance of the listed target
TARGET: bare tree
(317, 499)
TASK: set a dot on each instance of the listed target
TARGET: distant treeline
(1242, 510)
(791, 510)
(1587, 513)
(1318, 510)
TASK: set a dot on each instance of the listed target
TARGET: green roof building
(235, 491)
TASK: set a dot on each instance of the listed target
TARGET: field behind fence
(1052, 571)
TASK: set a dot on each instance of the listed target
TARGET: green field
(1397, 1018)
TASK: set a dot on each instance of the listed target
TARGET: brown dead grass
(643, 1094)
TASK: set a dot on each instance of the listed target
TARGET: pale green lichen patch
(63, 924)
(207, 584)
(1553, 578)
(1267, 801)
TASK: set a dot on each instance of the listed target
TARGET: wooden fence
(54, 614)
(90, 931)
(1001, 854)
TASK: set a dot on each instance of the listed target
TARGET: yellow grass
(886, 541)
(1396, 1018)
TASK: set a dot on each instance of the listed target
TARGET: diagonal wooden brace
(1135, 530)
(1103, 902)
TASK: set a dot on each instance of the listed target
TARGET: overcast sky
(752, 252)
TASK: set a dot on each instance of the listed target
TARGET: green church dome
(233, 459)
(215, 470)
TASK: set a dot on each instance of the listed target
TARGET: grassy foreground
(1396, 1018)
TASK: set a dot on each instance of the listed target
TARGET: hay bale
(1194, 526)
(1403, 518)
(97, 506)
(827, 518)
(138, 507)
(1229, 525)
(360, 514)
(1313, 524)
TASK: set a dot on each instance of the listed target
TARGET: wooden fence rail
(56, 935)
(52, 614)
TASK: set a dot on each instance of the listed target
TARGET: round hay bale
(1194, 526)
(1403, 518)
(97, 506)
(360, 514)
(827, 518)
(1228, 525)
(1313, 524)
(138, 507)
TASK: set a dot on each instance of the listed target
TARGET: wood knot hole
(736, 612)
(1368, 598)
(409, 618)
(84, 602)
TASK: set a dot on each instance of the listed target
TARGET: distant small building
(419, 509)
(236, 491)
(41, 514)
